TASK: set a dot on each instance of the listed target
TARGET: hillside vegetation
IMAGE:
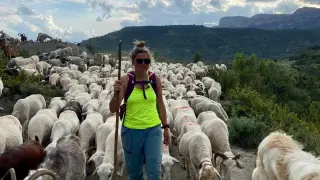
(181, 42)
(16, 87)
(266, 95)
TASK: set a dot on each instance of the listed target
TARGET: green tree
(196, 57)
(156, 56)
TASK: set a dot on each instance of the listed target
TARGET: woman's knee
(153, 154)
(153, 168)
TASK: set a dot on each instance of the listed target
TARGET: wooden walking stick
(115, 175)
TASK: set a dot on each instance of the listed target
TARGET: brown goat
(23, 158)
(9, 52)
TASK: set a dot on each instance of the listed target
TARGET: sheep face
(166, 165)
(201, 86)
(95, 160)
(105, 171)
(207, 172)
(229, 161)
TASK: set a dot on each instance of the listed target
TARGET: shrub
(262, 112)
(247, 132)
(264, 96)
(22, 86)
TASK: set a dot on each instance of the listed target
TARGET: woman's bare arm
(113, 103)
(160, 104)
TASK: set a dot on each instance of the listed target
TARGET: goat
(73, 106)
(9, 52)
(23, 158)
(66, 161)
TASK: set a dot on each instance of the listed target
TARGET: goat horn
(12, 174)
(239, 164)
(236, 157)
(219, 154)
(41, 173)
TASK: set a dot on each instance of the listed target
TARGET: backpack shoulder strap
(153, 81)
(130, 86)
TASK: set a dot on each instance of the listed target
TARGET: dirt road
(178, 173)
(247, 157)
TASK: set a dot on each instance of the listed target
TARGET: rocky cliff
(302, 18)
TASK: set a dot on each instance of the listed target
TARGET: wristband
(165, 126)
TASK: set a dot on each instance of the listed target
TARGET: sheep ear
(172, 135)
(174, 159)
(37, 138)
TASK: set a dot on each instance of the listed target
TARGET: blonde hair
(140, 47)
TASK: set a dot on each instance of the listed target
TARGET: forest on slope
(181, 42)
(266, 95)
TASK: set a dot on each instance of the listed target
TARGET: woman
(141, 128)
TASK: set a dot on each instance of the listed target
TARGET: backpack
(131, 83)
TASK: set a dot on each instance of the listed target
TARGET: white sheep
(105, 170)
(223, 67)
(83, 98)
(184, 115)
(206, 116)
(26, 108)
(95, 91)
(102, 133)
(215, 91)
(10, 132)
(20, 61)
(176, 105)
(88, 128)
(207, 81)
(68, 123)
(65, 80)
(36, 102)
(21, 110)
(167, 161)
(41, 125)
(54, 79)
(29, 72)
(201, 104)
(200, 154)
(43, 67)
(218, 134)
(91, 106)
(180, 91)
(57, 104)
(82, 87)
(187, 127)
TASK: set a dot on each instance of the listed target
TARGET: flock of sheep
(73, 137)
(41, 38)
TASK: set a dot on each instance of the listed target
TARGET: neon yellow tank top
(142, 113)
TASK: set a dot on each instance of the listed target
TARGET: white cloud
(75, 20)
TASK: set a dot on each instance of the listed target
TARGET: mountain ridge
(301, 18)
(180, 42)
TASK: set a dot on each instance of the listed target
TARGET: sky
(77, 20)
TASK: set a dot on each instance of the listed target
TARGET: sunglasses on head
(140, 61)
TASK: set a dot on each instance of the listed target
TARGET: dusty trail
(247, 157)
(178, 173)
